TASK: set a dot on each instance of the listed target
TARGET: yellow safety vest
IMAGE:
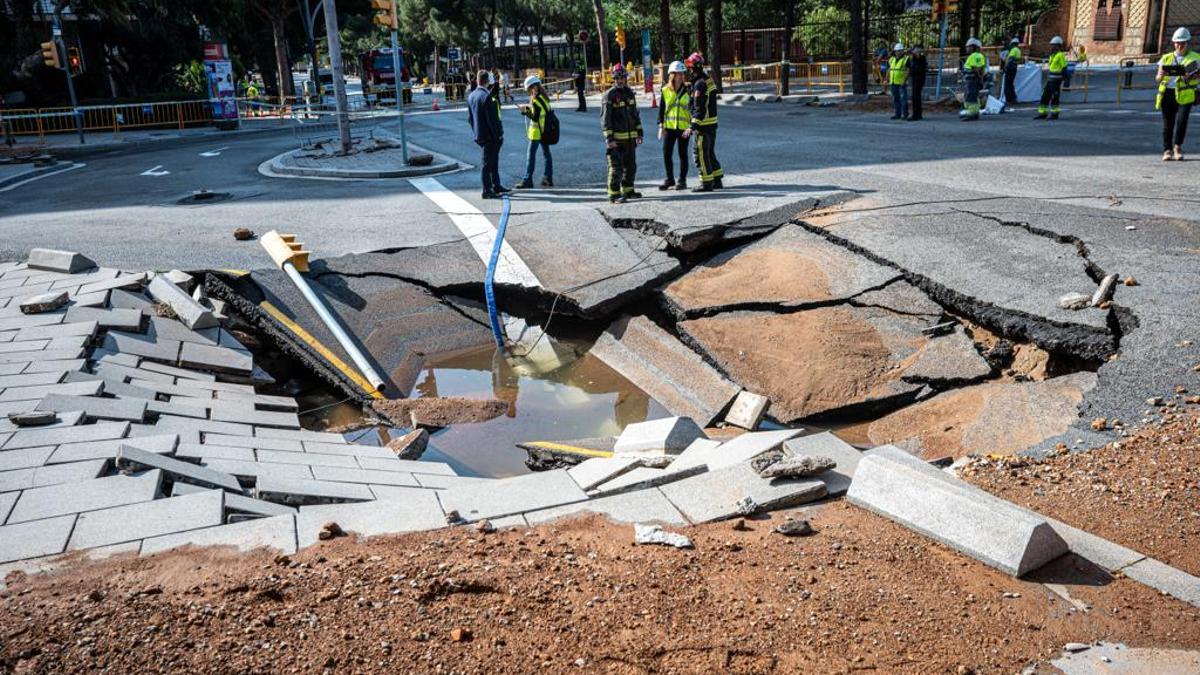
(975, 60)
(675, 109)
(1185, 90)
(536, 127)
(898, 70)
(1014, 54)
(1057, 65)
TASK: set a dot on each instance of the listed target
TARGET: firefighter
(580, 79)
(1056, 68)
(704, 125)
(622, 126)
(974, 70)
(1177, 92)
(898, 73)
(537, 111)
(919, 68)
(674, 120)
(1012, 61)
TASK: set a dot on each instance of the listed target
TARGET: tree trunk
(715, 71)
(664, 34)
(601, 37)
(976, 18)
(541, 48)
(789, 25)
(858, 56)
(964, 25)
(491, 28)
(281, 58)
(701, 31)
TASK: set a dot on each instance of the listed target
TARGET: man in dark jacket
(704, 125)
(581, 87)
(484, 116)
(622, 127)
(918, 66)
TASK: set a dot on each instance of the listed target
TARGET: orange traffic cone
(435, 105)
(653, 100)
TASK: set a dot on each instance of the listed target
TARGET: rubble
(797, 467)
(794, 528)
(46, 302)
(653, 534)
(1075, 301)
(665, 436)
(411, 445)
(747, 410)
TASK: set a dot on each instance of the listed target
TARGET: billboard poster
(222, 89)
(647, 66)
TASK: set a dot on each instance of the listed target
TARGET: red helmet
(618, 70)
(696, 59)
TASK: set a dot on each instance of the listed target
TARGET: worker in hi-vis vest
(1178, 77)
(674, 119)
(1056, 69)
(897, 74)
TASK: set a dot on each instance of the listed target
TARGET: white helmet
(677, 67)
(1015, 41)
(974, 42)
(1056, 40)
(898, 47)
(532, 80)
(1182, 35)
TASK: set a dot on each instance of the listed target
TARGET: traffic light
(951, 6)
(74, 60)
(621, 36)
(385, 13)
(50, 55)
(937, 9)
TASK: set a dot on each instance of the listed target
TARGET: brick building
(1113, 30)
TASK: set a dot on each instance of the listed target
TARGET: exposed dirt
(883, 103)
(439, 412)
(860, 594)
(759, 275)
(1143, 493)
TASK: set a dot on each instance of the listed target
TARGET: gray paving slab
(162, 327)
(37, 392)
(357, 451)
(394, 463)
(68, 365)
(441, 482)
(300, 435)
(148, 519)
(1166, 579)
(670, 435)
(592, 472)
(299, 491)
(99, 299)
(66, 419)
(238, 503)
(898, 486)
(24, 346)
(8, 407)
(191, 313)
(163, 444)
(113, 384)
(258, 401)
(257, 470)
(100, 355)
(43, 355)
(256, 442)
(508, 496)
(308, 458)
(165, 369)
(130, 456)
(128, 409)
(79, 279)
(24, 458)
(122, 299)
(86, 328)
(120, 319)
(736, 450)
(364, 476)
(397, 492)
(207, 450)
(18, 292)
(87, 495)
(31, 379)
(7, 499)
(178, 409)
(58, 436)
(645, 477)
(124, 281)
(139, 345)
(666, 369)
(738, 490)
(204, 426)
(45, 302)
(642, 506)
(34, 539)
(219, 359)
(837, 480)
(418, 512)
(23, 479)
(13, 368)
(277, 533)
(54, 260)
(246, 414)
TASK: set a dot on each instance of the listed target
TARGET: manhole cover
(205, 197)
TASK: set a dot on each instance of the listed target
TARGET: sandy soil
(860, 594)
(1143, 493)
(439, 412)
(760, 276)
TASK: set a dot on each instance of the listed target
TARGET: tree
(789, 22)
(276, 12)
(858, 55)
(601, 34)
(664, 33)
(715, 56)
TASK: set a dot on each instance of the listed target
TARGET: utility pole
(388, 15)
(60, 52)
(335, 65)
(309, 17)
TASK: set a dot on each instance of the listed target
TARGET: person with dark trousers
(704, 126)
(581, 88)
(919, 68)
(1178, 78)
(483, 113)
(622, 127)
(674, 119)
(1012, 61)
(1056, 68)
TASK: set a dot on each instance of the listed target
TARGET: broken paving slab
(140, 345)
(148, 519)
(738, 490)
(670, 435)
(509, 496)
(418, 512)
(113, 409)
(825, 444)
(191, 313)
(29, 438)
(130, 456)
(991, 417)
(592, 472)
(923, 498)
(739, 449)
(238, 503)
(275, 532)
(255, 471)
(841, 360)
(88, 495)
(642, 478)
(23, 479)
(642, 506)
(664, 368)
(787, 269)
(301, 491)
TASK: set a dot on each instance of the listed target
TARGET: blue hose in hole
(488, 290)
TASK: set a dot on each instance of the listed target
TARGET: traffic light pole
(62, 51)
(937, 90)
(399, 96)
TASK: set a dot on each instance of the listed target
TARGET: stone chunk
(417, 512)
(35, 538)
(670, 435)
(509, 496)
(46, 302)
(592, 472)
(747, 410)
(130, 409)
(410, 446)
(1074, 301)
(88, 495)
(738, 491)
(122, 319)
(797, 467)
(33, 419)
(215, 358)
(915, 494)
(131, 457)
(191, 313)
(276, 532)
(299, 491)
(51, 260)
(148, 519)
(844, 455)
(646, 477)
(737, 450)
(653, 534)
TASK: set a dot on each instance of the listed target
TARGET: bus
(379, 77)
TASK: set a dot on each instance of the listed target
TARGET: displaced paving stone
(1074, 301)
(125, 281)
(364, 476)
(276, 532)
(138, 345)
(53, 260)
(245, 414)
(46, 302)
(88, 495)
(306, 458)
(592, 472)
(190, 312)
(35, 538)
(130, 456)
(256, 442)
(198, 451)
(509, 496)
(148, 519)
(1118, 659)
(797, 467)
(736, 450)
(411, 445)
(40, 391)
(163, 444)
(921, 497)
(298, 491)
(33, 419)
(29, 438)
(641, 506)
(116, 409)
(121, 319)
(419, 512)
(747, 410)
(257, 470)
(369, 451)
(404, 465)
(664, 368)
(738, 491)
(86, 328)
(653, 534)
(219, 359)
(238, 503)
(23, 479)
(439, 482)
(1162, 577)
(845, 457)
(670, 435)
(300, 435)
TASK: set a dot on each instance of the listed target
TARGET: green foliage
(191, 78)
(824, 30)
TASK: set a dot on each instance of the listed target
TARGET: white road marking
(41, 176)
(154, 171)
(214, 153)
(479, 232)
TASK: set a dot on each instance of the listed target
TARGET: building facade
(1116, 30)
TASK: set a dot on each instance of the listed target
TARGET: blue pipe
(488, 291)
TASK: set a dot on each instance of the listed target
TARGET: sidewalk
(376, 157)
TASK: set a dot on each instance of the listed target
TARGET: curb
(32, 173)
(442, 164)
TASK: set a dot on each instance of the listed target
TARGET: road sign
(583, 36)
(453, 54)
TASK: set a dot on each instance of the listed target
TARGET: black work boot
(682, 184)
(524, 185)
(666, 184)
(718, 184)
(547, 182)
(704, 187)
(633, 195)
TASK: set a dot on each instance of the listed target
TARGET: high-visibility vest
(974, 60)
(675, 109)
(540, 105)
(1014, 56)
(1185, 90)
(898, 70)
(1057, 65)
